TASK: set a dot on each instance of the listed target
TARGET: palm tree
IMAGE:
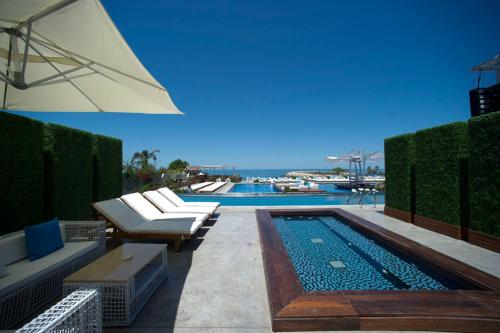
(142, 158)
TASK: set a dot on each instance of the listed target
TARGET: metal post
(7, 74)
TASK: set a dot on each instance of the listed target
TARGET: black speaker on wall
(484, 100)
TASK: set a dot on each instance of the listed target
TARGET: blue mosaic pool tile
(368, 265)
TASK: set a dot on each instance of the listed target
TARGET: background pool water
(313, 243)
(254, 188)
(281, 199)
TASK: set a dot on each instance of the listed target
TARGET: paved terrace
(217, 283)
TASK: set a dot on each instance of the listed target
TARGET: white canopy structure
(356, 156)
(68, 56)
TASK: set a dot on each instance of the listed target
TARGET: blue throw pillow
(43, 239)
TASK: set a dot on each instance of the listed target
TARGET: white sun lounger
(170, 195)
(167, 206)
(129, 224)
(147, 210)
(196, 187)
(211, 188)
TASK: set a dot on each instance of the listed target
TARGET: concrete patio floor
(217, 284)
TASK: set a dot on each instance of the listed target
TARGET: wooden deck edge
(292, 309)
(443, 228)
(483, 240)
(398, 214)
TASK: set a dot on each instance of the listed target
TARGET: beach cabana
(67, 55)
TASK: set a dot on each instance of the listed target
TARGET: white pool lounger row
(156, 215)
(196, 187)
(212, 188)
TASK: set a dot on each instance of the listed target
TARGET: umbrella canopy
(356, 156)
(67, 55)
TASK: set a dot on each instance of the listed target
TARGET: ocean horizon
(258, 172)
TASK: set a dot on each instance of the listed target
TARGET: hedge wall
(484, 133)
(68, 173)
(399, 171)
(439, 151)
(21, 179)
(107, 168)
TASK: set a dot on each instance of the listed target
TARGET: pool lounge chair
(147, 210)
(129, 224)
(176, 200)
(212, 188)
(167, 206)
(196, 187)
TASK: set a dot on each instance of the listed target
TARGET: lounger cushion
(43, 239)
(165, 191)
(170, 195)
(167, 206)
(142, 206)
(201, 204)
(25, 270)
(147, 210)
(119, 213)
(129, 221)
(169, 226)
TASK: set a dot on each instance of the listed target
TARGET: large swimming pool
(281, 199)
(254, 188)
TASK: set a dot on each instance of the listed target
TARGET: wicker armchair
(79, 312)
(37, 287)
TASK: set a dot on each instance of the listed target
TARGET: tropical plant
(141, 159)
(178, 164)
(337, 170)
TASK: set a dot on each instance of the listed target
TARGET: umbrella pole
(7, 73)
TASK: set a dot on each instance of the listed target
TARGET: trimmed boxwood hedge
(107, 167)
(68, 173)
(399, 171)
(439, 152)
(21, 179)
(484, 133)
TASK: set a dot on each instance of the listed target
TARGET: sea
(244, 173)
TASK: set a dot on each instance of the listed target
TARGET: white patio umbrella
(67, 55)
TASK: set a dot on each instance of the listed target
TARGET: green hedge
(399, 171)
(107, 168)
(484, 133)
(68, 173)
(439, 152)
(21, 179)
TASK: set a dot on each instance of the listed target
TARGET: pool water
(254, 188)
(282, 199)
(329, 255)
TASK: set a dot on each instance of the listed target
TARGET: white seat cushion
(167, 206)
(13, 246)
(141, 205)
(176, 200)
(26, 271)
(170, 226)
(147, 210)
(201, 204)
(119, 213)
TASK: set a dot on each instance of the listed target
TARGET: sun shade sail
(69, 56)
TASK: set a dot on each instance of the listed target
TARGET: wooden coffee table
(124, 285)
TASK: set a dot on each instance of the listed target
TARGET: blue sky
(281, 84)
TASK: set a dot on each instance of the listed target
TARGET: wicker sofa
(30, 285)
